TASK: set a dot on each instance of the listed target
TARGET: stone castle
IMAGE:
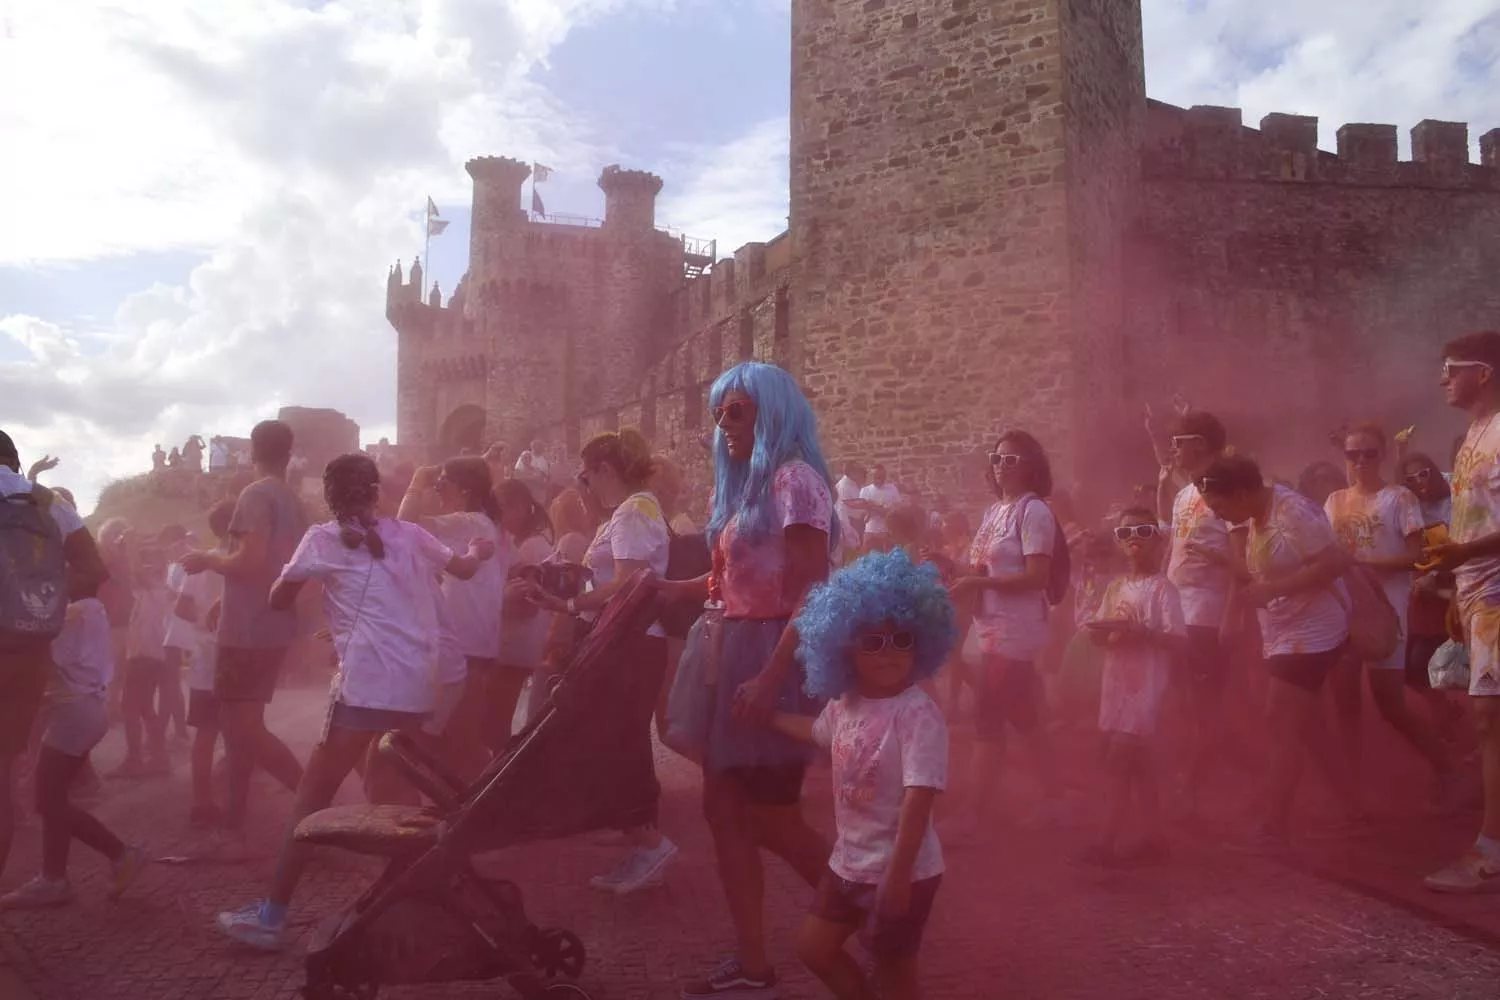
(991, 226)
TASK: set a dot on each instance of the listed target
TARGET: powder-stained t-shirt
(1476, 511)
(1292, 535)
(1013, 624)
(474, 604)
(1376, 526)
(270, 508)
(1202, 582)
(1136, 674)
(752, 569)
(881, 747)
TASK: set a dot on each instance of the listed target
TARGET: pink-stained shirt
(752, 571)
(881, 747)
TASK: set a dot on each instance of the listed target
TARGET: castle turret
(497, 204)
(629, 198)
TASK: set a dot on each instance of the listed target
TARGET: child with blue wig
(868, 636)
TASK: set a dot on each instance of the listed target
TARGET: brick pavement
(1016, 919)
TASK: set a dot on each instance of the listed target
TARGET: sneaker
(38, 893)
(126, 869)
(249, 927)
(729, 982)
(646, 868)
(1473, 873)
(609, 881)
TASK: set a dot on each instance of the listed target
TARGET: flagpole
(426, 248)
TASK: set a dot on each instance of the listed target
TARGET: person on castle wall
(1009, 568)
(1380, 526)
(158, 459)
(218, 454)
(174, 459)
(617, 471)
(1471, 383)
(773, 534)
(192, 453)
(880, 497)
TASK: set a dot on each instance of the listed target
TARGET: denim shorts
(852, 904)
(374, 720)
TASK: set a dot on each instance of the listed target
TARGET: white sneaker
(646, 868)
(249, 928)
(38, 893)
(609, 881)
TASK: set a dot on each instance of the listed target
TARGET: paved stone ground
(1014, 919)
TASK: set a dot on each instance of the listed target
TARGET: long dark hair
(1034, 463)
(513, 491)
(351, 488)
(471, 474)
(1435, 477)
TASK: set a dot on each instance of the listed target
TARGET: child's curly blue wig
(881, 588)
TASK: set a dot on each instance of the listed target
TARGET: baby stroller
(431, 916)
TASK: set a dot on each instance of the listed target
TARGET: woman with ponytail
(616, 473)
(382, 612)
(455, 502)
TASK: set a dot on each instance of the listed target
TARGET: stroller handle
(424, 771)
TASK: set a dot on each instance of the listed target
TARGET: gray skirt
(76, 726)
(747, 647)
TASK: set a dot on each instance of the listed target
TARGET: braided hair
(351, 488)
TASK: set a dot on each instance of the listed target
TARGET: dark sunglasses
(875, 642)
(734, 412)
(1362, 454)
(1145, 532)
(1005, 461)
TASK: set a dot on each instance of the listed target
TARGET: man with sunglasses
(1198, 566)
(1471, 382)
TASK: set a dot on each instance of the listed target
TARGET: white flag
(540, 173)
(432, 211)
(435, 227)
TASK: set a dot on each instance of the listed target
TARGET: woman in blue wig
(773, 533)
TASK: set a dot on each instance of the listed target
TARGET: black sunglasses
(1362, 454)
(874, 642)
(733, 412)
(1145, 532)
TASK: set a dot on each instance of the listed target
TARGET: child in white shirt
(1140, 626)
(868, 637)
(75, 720)
(193, 631)
(382, 611)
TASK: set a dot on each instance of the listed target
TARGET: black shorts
(203, 710)
(1419, 651)
(1202, 663)
(23, 682)
(852, 904)
(778, 785)
(1006, 692)
(247, 674)
(1304, 670)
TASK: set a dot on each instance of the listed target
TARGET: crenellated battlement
(1214, 144)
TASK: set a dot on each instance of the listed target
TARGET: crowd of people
(837, 614)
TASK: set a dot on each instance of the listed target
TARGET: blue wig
(881, 588)
(785, 430)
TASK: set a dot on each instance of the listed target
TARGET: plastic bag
(690, 703)
(1448, 670)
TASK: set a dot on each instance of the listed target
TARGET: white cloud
(736, 193)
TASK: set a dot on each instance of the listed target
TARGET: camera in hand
(564, 581)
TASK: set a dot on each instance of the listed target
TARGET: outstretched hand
(44, 464)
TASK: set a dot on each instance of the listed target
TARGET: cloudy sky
(202, 200)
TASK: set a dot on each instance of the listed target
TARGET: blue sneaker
(250, 927)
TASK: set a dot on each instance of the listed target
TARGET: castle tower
(497, 205)
(962, 181)
(640, 268)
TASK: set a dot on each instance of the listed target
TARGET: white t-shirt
(523, 639)
(193, 638)
(473, 605)
(1013, 624)
(1202, 585)
(218, 456)
(846, 489)
(383, 613)
(145, 638)
(1136, 674)
(1376, 526)
(1437, 512)
(1295, 531)
(82, 653)
(1476, 510)
(635, 532)
(881, 747)
(887, 498)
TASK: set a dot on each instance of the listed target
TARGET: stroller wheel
(558, 954)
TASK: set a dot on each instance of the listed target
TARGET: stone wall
(1288, 287)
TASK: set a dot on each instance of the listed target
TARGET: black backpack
(1060, 573)
(33, 571)
(688, 558)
